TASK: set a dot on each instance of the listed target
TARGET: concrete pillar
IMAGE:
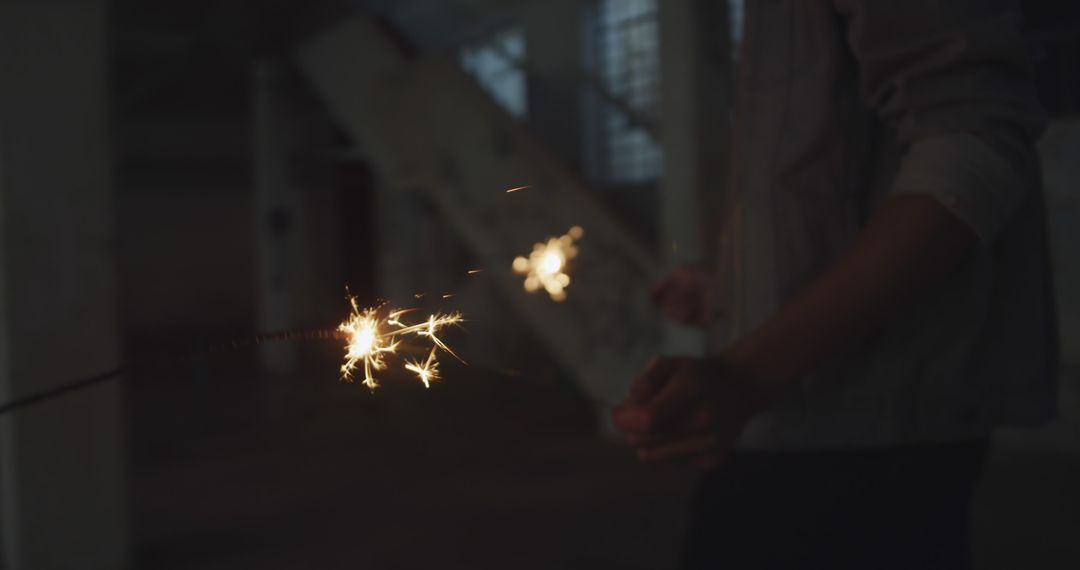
(1059, 148)
(275, 207)
(62, 489)
(695, 101)
(554, 54)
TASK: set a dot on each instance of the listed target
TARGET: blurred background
(175, 174)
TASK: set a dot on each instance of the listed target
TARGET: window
(496, 66)
(737, 14)
(623, 54)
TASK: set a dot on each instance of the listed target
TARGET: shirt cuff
(968, 177)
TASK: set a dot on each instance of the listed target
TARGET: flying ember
(545, 267)
(372, 335)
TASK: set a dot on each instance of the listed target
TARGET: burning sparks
(517, 189)
(428, 371)
(545, 266)
(371, 338)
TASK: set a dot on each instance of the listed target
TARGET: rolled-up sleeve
(953, 81)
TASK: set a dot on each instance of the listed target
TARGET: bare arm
(951, 83)
(911, 241)
(695, 408)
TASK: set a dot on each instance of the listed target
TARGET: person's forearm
(910, 242)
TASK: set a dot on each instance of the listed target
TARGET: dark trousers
(879, 509)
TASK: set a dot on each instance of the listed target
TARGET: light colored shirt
(839, 105)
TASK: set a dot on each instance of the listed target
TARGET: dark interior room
(560, 284)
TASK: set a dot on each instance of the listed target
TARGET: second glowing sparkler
(545, 267)
(372, 335)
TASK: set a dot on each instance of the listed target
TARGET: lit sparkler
(545, 267)
(371, 338)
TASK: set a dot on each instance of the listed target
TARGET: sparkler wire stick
(427, 371)
(161, 360)
(369, 338)
(57, 391)
(380, 341)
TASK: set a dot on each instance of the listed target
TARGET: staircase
(433, 133)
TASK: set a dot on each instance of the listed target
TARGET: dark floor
(1027, 512)
(480, 471)
(1027, 508)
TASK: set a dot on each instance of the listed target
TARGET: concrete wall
(183, 218)
(695, 99)
(554, 51)
(63, 462)
(1060, 148)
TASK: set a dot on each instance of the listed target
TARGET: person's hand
(682, 296)
(688, 410)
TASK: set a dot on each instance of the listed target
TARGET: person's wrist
(761, 381)
(735, 384)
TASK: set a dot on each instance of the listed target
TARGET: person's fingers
(677, 294)
(680, 304)
(674, 280)
(651, 379)
(708, 461)
(658, 291)
(649, 440)
(686, 313)
(680, 274)
(633, 419)
(618, 418)
(675, 398)
(702, 419)
(684, 449)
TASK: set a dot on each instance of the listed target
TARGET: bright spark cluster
(545, 267)
(371, 337)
